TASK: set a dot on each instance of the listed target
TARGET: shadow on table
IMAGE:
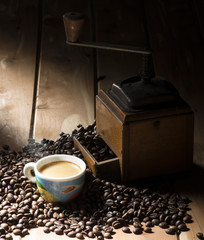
(192, 180)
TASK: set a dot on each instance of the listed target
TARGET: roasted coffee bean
(19, 225)
(155, 221)
(137, 224)
(107, 235)
(109, 202)
(32, 224)
(40, 222)
(149, 224)
(163, 225)
(17, 231)
(52, 228)
(200, 235)
(79, 236)
(96, 230)
(3, 213)
(147, 230)
(174, 217)
(29, 195)
(187, 219)
(66, 231)
(178, 222)
(126, 230)
(10, 197)
(171, 230)
(71, 234)
(91, 235)
(58, 231)
(2, 231)
(116, 224)
(8, 236)
(182, 227)
(108, 229)
(77, 230)
(5, 226)
(167, 219)
(181, 214)
(146, 219)
(89, 223)
(100, 237)
(111, 220)
(49, 224)
(137, 230)
(24, 231)
(74, 226)
(46, 230)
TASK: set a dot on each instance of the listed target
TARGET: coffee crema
(60, 169)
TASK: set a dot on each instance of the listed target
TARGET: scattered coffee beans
(102, 206)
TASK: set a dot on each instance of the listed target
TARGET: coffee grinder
(142, 119)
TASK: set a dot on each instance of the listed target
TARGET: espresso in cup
(59, 177)
(60, 169)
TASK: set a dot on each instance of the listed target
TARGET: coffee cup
(59, 177)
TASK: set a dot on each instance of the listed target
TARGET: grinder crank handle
(73, 23)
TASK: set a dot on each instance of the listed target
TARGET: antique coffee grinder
(142, 119)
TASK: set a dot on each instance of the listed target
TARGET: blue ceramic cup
(57, 189)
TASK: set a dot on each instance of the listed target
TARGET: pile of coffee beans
(101, 208)
(93, 142)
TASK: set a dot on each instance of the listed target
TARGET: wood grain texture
(18, 28)
(157, 233)
(192, 186)
(179, 56)
(119, 23)
(65, 93)
(197, 213)
(109, 126)
(159, 150)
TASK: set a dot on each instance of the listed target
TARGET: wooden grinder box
(148, 143)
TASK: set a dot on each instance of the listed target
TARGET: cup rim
(61, 157)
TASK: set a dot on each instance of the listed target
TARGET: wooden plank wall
(63, 85)
(65, 91)
(18, 41)
(119, 23)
